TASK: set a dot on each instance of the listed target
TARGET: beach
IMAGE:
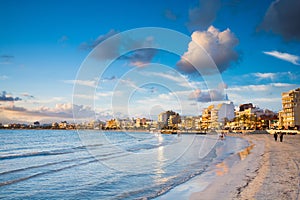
(265, 170)
(243, 166)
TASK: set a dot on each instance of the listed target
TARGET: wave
(43, 165)
(48, 153)
(98, 158)
(88, 159)
(43, 173)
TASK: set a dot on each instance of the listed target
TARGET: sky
(96, 60)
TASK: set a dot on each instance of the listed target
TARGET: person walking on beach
(275, 136)
(281, 137)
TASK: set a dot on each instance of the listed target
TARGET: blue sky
(44, 45)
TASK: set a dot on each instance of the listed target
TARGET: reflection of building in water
(243, 154)
(160, 162)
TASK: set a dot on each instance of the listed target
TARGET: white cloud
(179, 79)
(282, 84)
(171, 77)
(265, 75)
(257, 88)
(278, 76)
(284, 56)
(131, 83)
(219, 45)
(164, 97)
(89, 83)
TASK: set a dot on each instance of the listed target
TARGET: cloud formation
(117, 44)
(88, 83)
(259, 88)
(282, 17)
(202, 16)
(92, 44)
(269, 76)
(60, 112)
(259, 75)
(140, 57)
(219, 45)
(6, 97)
(284, 56)
(207, 96)
(112, 78)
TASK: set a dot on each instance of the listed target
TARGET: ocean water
(66, 164)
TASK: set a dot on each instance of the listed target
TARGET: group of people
(280, 136)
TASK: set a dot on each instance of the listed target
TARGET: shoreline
(265, 170)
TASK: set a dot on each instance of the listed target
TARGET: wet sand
(265, 170)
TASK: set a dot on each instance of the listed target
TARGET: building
(289, 117)
(246, 106)
(225, 112)
(247, 117)
(140, 122)
(250, 117)
(215, 117)
(174, 120)
(168, 119)
(112, 124)
(63, 125)
(188, 122)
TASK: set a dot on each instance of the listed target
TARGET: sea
(94, 164)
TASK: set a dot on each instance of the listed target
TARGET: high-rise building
(225, 111)
(290, 114)
(216, 116)
(168, 118)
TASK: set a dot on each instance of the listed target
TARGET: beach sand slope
(267, 170)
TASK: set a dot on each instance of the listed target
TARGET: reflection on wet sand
(222, 169)
(243, 154)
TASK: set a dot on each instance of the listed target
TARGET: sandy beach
(265, 170)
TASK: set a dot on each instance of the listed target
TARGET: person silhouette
(275, 136)
(281, 137)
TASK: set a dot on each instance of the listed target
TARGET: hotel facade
(289, 117)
